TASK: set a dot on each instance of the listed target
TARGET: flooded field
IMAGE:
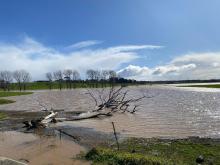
(171, 112)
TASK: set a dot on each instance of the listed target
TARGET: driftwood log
(41, 122)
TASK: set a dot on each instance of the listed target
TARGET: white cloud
(172, 69)
(38, 59)
(84, 44)
(133, 47)
(132, 70)
(189, 66)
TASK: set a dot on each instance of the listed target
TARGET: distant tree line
(60, 79)
(94, 78)
(68, 78)
(22, 77)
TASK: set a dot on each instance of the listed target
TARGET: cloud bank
(188, 66)
(38, 59)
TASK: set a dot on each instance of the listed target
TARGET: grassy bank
(158, 152)
(204, 86)
(7, 94)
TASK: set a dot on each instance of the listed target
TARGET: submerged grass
(138, 151)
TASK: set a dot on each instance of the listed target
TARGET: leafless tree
(18, 78)
(67, 73)
(91, 74)
(104, 76)
(112, 77)
(25, 77)
(97, 77)
(49, 77)
(112, 74)
(8, 78)
(75, 77)
(58, 76)
(2, 80)
(67, 76)
(94, 76)
(1, 76)
(22, 77)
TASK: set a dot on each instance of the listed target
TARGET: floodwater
(170, 112)
(36, 150)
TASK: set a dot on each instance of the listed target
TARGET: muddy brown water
(36, 150)
(171, 112)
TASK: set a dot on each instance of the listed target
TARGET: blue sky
(180, 29)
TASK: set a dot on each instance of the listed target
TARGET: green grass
(7, 94)
(2, 115)
(157, 152)
(108, 156)
(55, 85)
(204, 86)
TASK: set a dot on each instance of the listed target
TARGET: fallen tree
(111, 101)
(107, 102)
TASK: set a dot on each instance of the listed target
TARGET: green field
(35, 86)
(64, 85)
(204, 86)
(139, 151)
